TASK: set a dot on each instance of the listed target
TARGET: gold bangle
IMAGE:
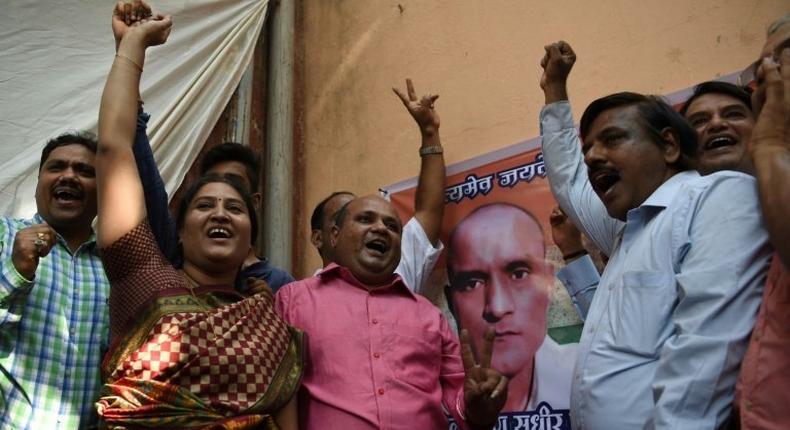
(433, 149)
(139, 67)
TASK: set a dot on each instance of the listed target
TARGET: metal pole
(278, 152)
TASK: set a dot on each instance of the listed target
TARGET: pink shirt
(763, 391)
(379, 359)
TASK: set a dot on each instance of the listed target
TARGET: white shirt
(553, 372)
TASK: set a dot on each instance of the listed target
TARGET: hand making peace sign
(422, 111)
(485, 389)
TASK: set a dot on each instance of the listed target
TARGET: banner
(498, 270)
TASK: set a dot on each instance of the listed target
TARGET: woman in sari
(187, 351)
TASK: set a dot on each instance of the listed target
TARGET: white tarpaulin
(54, 60)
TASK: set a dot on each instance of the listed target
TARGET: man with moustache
(762, 397)
(688, 255)
(380, 356)
(500, 279)
(721, 114)
(53, 296)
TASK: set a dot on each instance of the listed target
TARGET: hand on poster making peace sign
(485, 389)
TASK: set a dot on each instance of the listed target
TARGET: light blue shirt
(671, 317)
(580, 278)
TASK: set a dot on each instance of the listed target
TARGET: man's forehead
(72, 152)
(372, 204)
(496, 221)
(714, 100)
(231, 168)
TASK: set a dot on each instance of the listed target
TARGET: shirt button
(748, 405)
(375, 321)
(757, 334)
(376, 355)
(381, 391)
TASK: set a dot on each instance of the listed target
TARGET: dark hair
(717, 87)
(316, 220)
(231, 151)
(655, 115)
(84, 138)
(341, 214)
(240, 188)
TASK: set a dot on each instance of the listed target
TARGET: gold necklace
(191, 286)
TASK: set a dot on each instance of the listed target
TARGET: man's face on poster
(499, 278)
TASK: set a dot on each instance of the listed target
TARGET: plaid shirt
(53, 332)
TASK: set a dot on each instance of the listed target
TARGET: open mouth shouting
(67, 194)
(219, 232)
(719, 142)
(603, 180)
(378, 247)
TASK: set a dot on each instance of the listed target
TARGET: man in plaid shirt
(53, 293)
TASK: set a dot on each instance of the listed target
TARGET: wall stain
(674, 55)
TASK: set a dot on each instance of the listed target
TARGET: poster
(498, 270)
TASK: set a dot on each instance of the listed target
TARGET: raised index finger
(488, 348)
(466, 352)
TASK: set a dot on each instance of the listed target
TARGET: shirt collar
(335, 270)
(664, 194)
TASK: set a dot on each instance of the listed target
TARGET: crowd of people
(145, 320)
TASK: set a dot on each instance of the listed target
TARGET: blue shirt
(53, 332)
(670, 320)
(580, 278)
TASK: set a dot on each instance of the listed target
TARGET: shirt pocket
(644, 304)
(414, 354)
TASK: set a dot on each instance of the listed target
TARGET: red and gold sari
(190, 357)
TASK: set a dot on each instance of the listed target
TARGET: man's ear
(257, 198)
(671, 149)
(333, 236)
(316, 239)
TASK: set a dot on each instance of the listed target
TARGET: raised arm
(429, 200)
(562, 152)
(420, 245)
(121, 203)
(770, 148)
(156, 201)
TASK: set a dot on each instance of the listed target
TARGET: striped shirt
(53, 332)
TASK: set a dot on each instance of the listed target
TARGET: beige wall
(483, 57)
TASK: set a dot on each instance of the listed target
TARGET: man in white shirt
(672, 314)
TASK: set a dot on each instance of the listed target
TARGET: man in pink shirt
(379, 356)
(762, 394)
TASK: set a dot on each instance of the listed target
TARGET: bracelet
(574, 254)
(430, 150)
(139, 67)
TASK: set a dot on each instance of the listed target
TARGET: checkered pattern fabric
(52, 333)
(227, 355)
